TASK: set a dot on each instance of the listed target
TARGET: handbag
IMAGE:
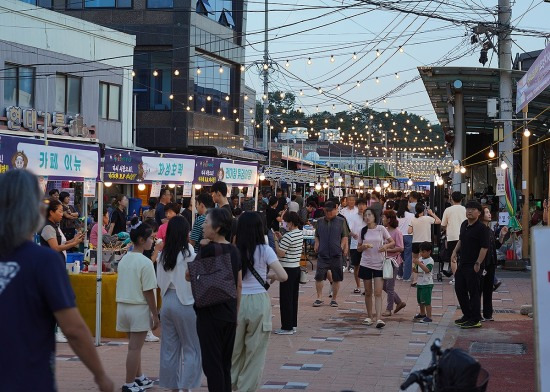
(387, 265)
(303, 276)
(212, 280)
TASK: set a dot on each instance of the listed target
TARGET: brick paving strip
(342, 354)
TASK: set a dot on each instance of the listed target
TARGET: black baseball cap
(330, 205)
(474, 204)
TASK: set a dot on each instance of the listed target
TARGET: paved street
(332, 351)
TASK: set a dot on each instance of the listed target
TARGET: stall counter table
(84, 287)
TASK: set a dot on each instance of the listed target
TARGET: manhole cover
(504, 311)
(497, 348)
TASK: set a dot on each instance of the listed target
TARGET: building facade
(188, 67)
(68, 74)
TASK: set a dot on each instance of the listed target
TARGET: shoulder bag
(255, 273)
(387, 264)
(212, 280)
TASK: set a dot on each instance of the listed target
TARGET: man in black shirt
(282, 200)
(164, 198)
(219, 195)
(271, 214)
(472, 246)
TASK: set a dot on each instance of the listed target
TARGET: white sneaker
(452, 281)
(151, 337)
(60, 337)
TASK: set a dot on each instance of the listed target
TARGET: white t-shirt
(347, 213)
(356, 224)
(135, 275)
(371, 257)
(405, 222)
(175, 279)
(453, 217)
(422, 228)
(263, 256)
(48, 232)
(425, 278)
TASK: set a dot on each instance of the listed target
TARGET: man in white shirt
(453, 217)
(356, 223)
(350, 212)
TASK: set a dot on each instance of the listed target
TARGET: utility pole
(265, 68)
(505, 67)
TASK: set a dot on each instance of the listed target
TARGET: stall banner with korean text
(136, 167)
(57, 160)
(238, 174)
(206, 170)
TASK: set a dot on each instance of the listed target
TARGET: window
(79, 4)
(67, 94)
(153, 80)
(212, 87)
(40, 3)
(18, 86)
(109, 101)
(160, 3)
(218, 10)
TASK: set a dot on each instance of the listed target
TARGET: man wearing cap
(472, 248)
(331, 243)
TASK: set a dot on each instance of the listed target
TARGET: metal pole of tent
(85, 223)
(99, 257)
(193, 204)
(257, 193)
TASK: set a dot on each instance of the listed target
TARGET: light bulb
(266, 67)
(361, 183)
(377, 80)
(176, 72)
(491, 153)
(503, 165)
(377, 188)
(133, 73)
(287, 64)
(221, 69)
(396, 75)
(401, 50)
(246, 97)
(141, 187)
(198, 186)
(410, 182)
(155, 73)
(301, 92)
(358, 84)
(318, 186)
(378, 53)
(309, 61)
(199, 70)
(440, 181)
(386, 184)
(108, 184)
(354, 56)
(526, 133)
(262, 177)
(338, 87)
(325, 186)
(340, 179)
(171, 96)
(190, 97)
(242, 68)
(227, 98)
(332, 59)
(320, 90)
(462, 169)
(172, 186)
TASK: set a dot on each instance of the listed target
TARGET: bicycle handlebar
(413, 378)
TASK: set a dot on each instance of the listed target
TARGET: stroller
(452, 370)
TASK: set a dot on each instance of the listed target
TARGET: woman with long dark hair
(217, 324)
(421, 230)
(404, 217)
(180, 342)
(254, 318)
(389, 219)
(289, 249)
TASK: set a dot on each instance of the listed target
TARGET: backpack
(212, 280)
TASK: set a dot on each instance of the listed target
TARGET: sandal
(367, 321)
(387, 313)
(380, 324)
(356, 291)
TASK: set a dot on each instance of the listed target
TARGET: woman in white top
(254, 318)
(421, 230)
(373, 243)
(180, 342)
(404, 217)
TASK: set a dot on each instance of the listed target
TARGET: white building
(77, 74)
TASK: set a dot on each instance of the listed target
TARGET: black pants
(288, 298)
(451, 245)
(467, 288)
(487, 283)
(216, 338)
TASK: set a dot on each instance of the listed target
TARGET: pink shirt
(371, 257)
(397, 236)
(93, 234)
(162, 231)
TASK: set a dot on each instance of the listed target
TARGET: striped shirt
(291, 243)
(196, 233)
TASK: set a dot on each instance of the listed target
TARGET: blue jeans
(407, 256)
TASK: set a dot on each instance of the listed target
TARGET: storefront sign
(206, 170)
(89, 187)
(232, 173)
(57, 123)
(156, 187)
(250, 191)
(56, 160)
(501, 181)
(187, 189)
(168, 169)
(534, 81)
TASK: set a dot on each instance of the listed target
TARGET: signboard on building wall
(57, 160)
(534, 81)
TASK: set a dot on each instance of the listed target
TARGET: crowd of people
(379, 239)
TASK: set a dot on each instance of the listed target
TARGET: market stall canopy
(50, 159)
(478, 84)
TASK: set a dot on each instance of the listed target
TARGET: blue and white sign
(233, 173)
